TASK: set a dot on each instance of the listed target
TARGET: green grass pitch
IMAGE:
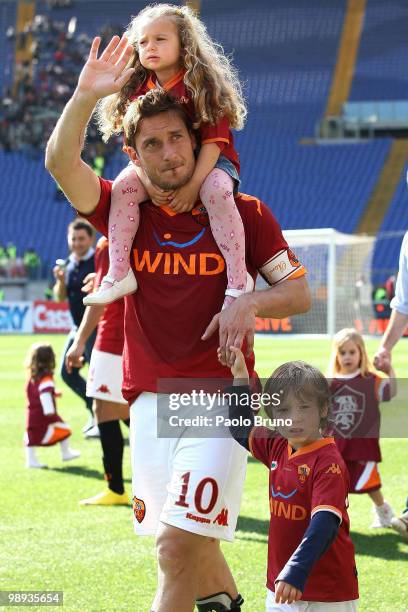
(48, 542)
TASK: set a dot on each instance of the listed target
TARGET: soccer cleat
(400, 524)
(70, 454)
(92, 433)
(89, 424)
(106, 498)
(219, 602)
(382, 516)
(117, 290)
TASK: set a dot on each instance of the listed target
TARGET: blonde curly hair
(210, 76)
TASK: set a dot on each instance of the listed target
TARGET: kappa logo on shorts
(222, 518)
(103, 389)
(197, 519)
(139, 509)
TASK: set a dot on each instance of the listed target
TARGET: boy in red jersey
(310, 555)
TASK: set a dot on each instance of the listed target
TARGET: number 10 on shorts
(204, 484)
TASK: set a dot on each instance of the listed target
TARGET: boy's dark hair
(153, 103)
(303, 381)
(40, 360)
(82, 224)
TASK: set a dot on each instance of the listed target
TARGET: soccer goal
(339, 276)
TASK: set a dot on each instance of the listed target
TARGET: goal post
(339, 276)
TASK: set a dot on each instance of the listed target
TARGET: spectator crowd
(42, 85)
(13, 265)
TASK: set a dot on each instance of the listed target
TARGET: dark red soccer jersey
(181, 284)
(302, 483)
(37, 422)
(219, 133)
(110, 336)
(355, 413)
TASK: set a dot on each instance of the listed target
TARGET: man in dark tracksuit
(69, 280)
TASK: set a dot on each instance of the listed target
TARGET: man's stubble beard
(169, 185)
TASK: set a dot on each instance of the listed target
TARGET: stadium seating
(395, 223)
(94, 16)
(381, 72)
(30, 214)
(286, 55)
(7, 20)
(285, 51)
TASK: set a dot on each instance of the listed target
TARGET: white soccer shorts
(105, 377)
(194, 484)
(309, 606)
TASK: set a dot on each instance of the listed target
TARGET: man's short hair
(153, 103)
(82, 224)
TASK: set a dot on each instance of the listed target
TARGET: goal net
(339, 276)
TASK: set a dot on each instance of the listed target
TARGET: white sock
(32, 459)
(66, 451)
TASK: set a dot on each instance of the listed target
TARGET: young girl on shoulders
(311, 563)
(44, 426)
(356, 392)
(173, 50)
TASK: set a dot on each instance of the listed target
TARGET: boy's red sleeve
(329, 488)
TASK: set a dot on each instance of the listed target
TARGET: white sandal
(118, 290)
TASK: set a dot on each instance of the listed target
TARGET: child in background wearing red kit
(44, 426)
(356, 392)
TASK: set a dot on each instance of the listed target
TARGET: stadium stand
(380, 72)
(395, 223)
(287, 88)
(30, 216)
(7, 21)
(94, 16)
(381, 75)
(286, 54)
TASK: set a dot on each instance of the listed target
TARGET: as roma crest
(303, 472)
(347, 410)
(139, 509)
(200, 215)
(293, 259)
